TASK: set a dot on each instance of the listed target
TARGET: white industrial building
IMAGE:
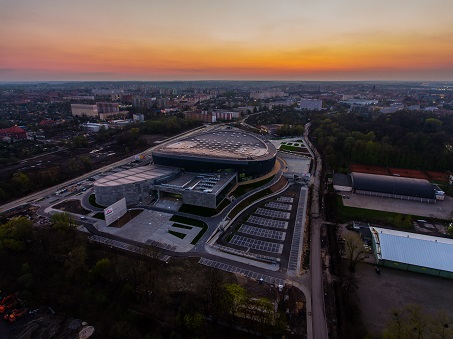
(413, 252)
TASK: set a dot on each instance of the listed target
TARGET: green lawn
(177, 234)
(193, 222)
(187, 221)
(182, 226)
(301, 149)
(249, 201)
(347, 214)
(99, 215)
(203, 211)
(92, 201)
(243, 189)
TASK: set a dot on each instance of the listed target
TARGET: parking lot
(262, 232)
(273, 214)
(253, 219)
(279, 206)
(256, 244)
(441, 209)
(266, 231)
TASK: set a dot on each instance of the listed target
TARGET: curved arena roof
(220, 144)
(393, 185)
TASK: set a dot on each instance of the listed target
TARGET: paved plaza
(151, 227)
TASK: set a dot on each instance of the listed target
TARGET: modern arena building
(200, 170)
(229, 150)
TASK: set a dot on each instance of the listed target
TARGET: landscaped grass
(346, 214)
(188, 221)
(243, 189)
(300, 149)
(92, 201)
(182, 226)
(249, 201)
(193, 222)
(199, 235)
(99, 215)
(72, 206)
(177, 234)
(203, 211)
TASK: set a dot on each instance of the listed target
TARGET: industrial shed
(393, 187)
(413, 252)
(342, 182)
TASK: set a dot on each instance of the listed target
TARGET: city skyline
(209, 40)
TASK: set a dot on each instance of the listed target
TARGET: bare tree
(354, 249)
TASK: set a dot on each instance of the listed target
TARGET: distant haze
(230, 40)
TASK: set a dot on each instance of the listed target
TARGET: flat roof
(135, 175)
(414, 249)
(199, 182)
(393, 185)
(229, 144)
(342, 179)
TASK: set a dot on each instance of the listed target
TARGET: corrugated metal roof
(393, 185)
(416, 249)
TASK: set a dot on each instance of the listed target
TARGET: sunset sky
(234, 39)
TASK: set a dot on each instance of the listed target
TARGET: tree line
(406, 139)
(129, 295)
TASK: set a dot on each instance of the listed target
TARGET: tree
(354, 249)
(234, 297)
(450, 229)
(15, 233)
(62, 221)
(101, 269)
(86, 162)
(21, 182)
(411, 322)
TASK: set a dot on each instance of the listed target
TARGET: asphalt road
(317, 291)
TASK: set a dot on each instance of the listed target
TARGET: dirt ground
(378, 294)
(72, 206)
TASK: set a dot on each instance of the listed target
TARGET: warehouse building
(413, 252)
(393, 187)
(387, 186)
(342, 182)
